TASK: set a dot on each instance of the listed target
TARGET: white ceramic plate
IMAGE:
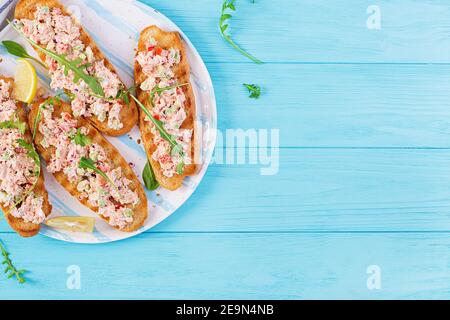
(115, 26)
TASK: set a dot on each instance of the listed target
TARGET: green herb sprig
(149, 178)
(10, 269)
(158, 124)
(227, 6)
(88, 163)
(31, 152)
(21, 126)
(50, 101)
(254, 90)
(17, 50)
(69, 65)
(81, 139)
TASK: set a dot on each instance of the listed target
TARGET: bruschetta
(162, 75)
(87, 165)
(95, 89)
(23, 197)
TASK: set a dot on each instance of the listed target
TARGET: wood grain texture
(323, 190)
(364, 166)
(223, 266)
(339, 105)
(318, 31)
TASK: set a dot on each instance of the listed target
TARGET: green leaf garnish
(31, 152)
(254, 90)
(149, 178)
(81, 139)
(223, 24)
(17, 50)
(69, 65)
(10, 269)
(21, 126)
(158, 124)
(88, 163)
(50, 101)
(161, 90)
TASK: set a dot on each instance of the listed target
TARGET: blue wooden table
(360, 207)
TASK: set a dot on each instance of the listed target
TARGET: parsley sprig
(227, 6)
(254, 90)
(10, 269)
(81, 139)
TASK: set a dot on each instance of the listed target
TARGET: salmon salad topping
(168, 106)
(113, 196)
(18, 172)
(59, 33)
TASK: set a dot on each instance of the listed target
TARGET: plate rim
(212, 132)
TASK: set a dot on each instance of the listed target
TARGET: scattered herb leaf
(149, 178)
(158, 124)
(254, 90)
(17, 50)
(10, 269)
(229, 5)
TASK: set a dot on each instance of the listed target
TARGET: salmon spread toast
(96, 91)
(23, 197)
(162, 74)
(87, 165)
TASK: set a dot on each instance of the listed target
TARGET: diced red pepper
(150, 48)
(158, 51)
(156, 117)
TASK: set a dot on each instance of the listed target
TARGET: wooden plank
(224, 266)
(312, 31)
(339, 105)
(323, 190)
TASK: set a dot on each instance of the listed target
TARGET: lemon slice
(25, 81)
(73, 224)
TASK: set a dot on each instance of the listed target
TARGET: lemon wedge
(25, 81)
(73, 224)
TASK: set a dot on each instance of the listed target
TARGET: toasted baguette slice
(23, 228)
(25, 9)
(139, 211)
(167, 40)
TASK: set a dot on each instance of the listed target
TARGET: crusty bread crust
(167, 40)
(140, 211)
(27, 229)
(25, 9)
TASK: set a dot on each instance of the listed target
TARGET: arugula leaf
(69, 65)
(81, 139)
(158, 124)
(161, 90)
(17, 50)
(254, 90)
(88, 163)
(149, 178)
(31, 151)
(35, 156)
(14, 125)
(11, 270)
(229, 5)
